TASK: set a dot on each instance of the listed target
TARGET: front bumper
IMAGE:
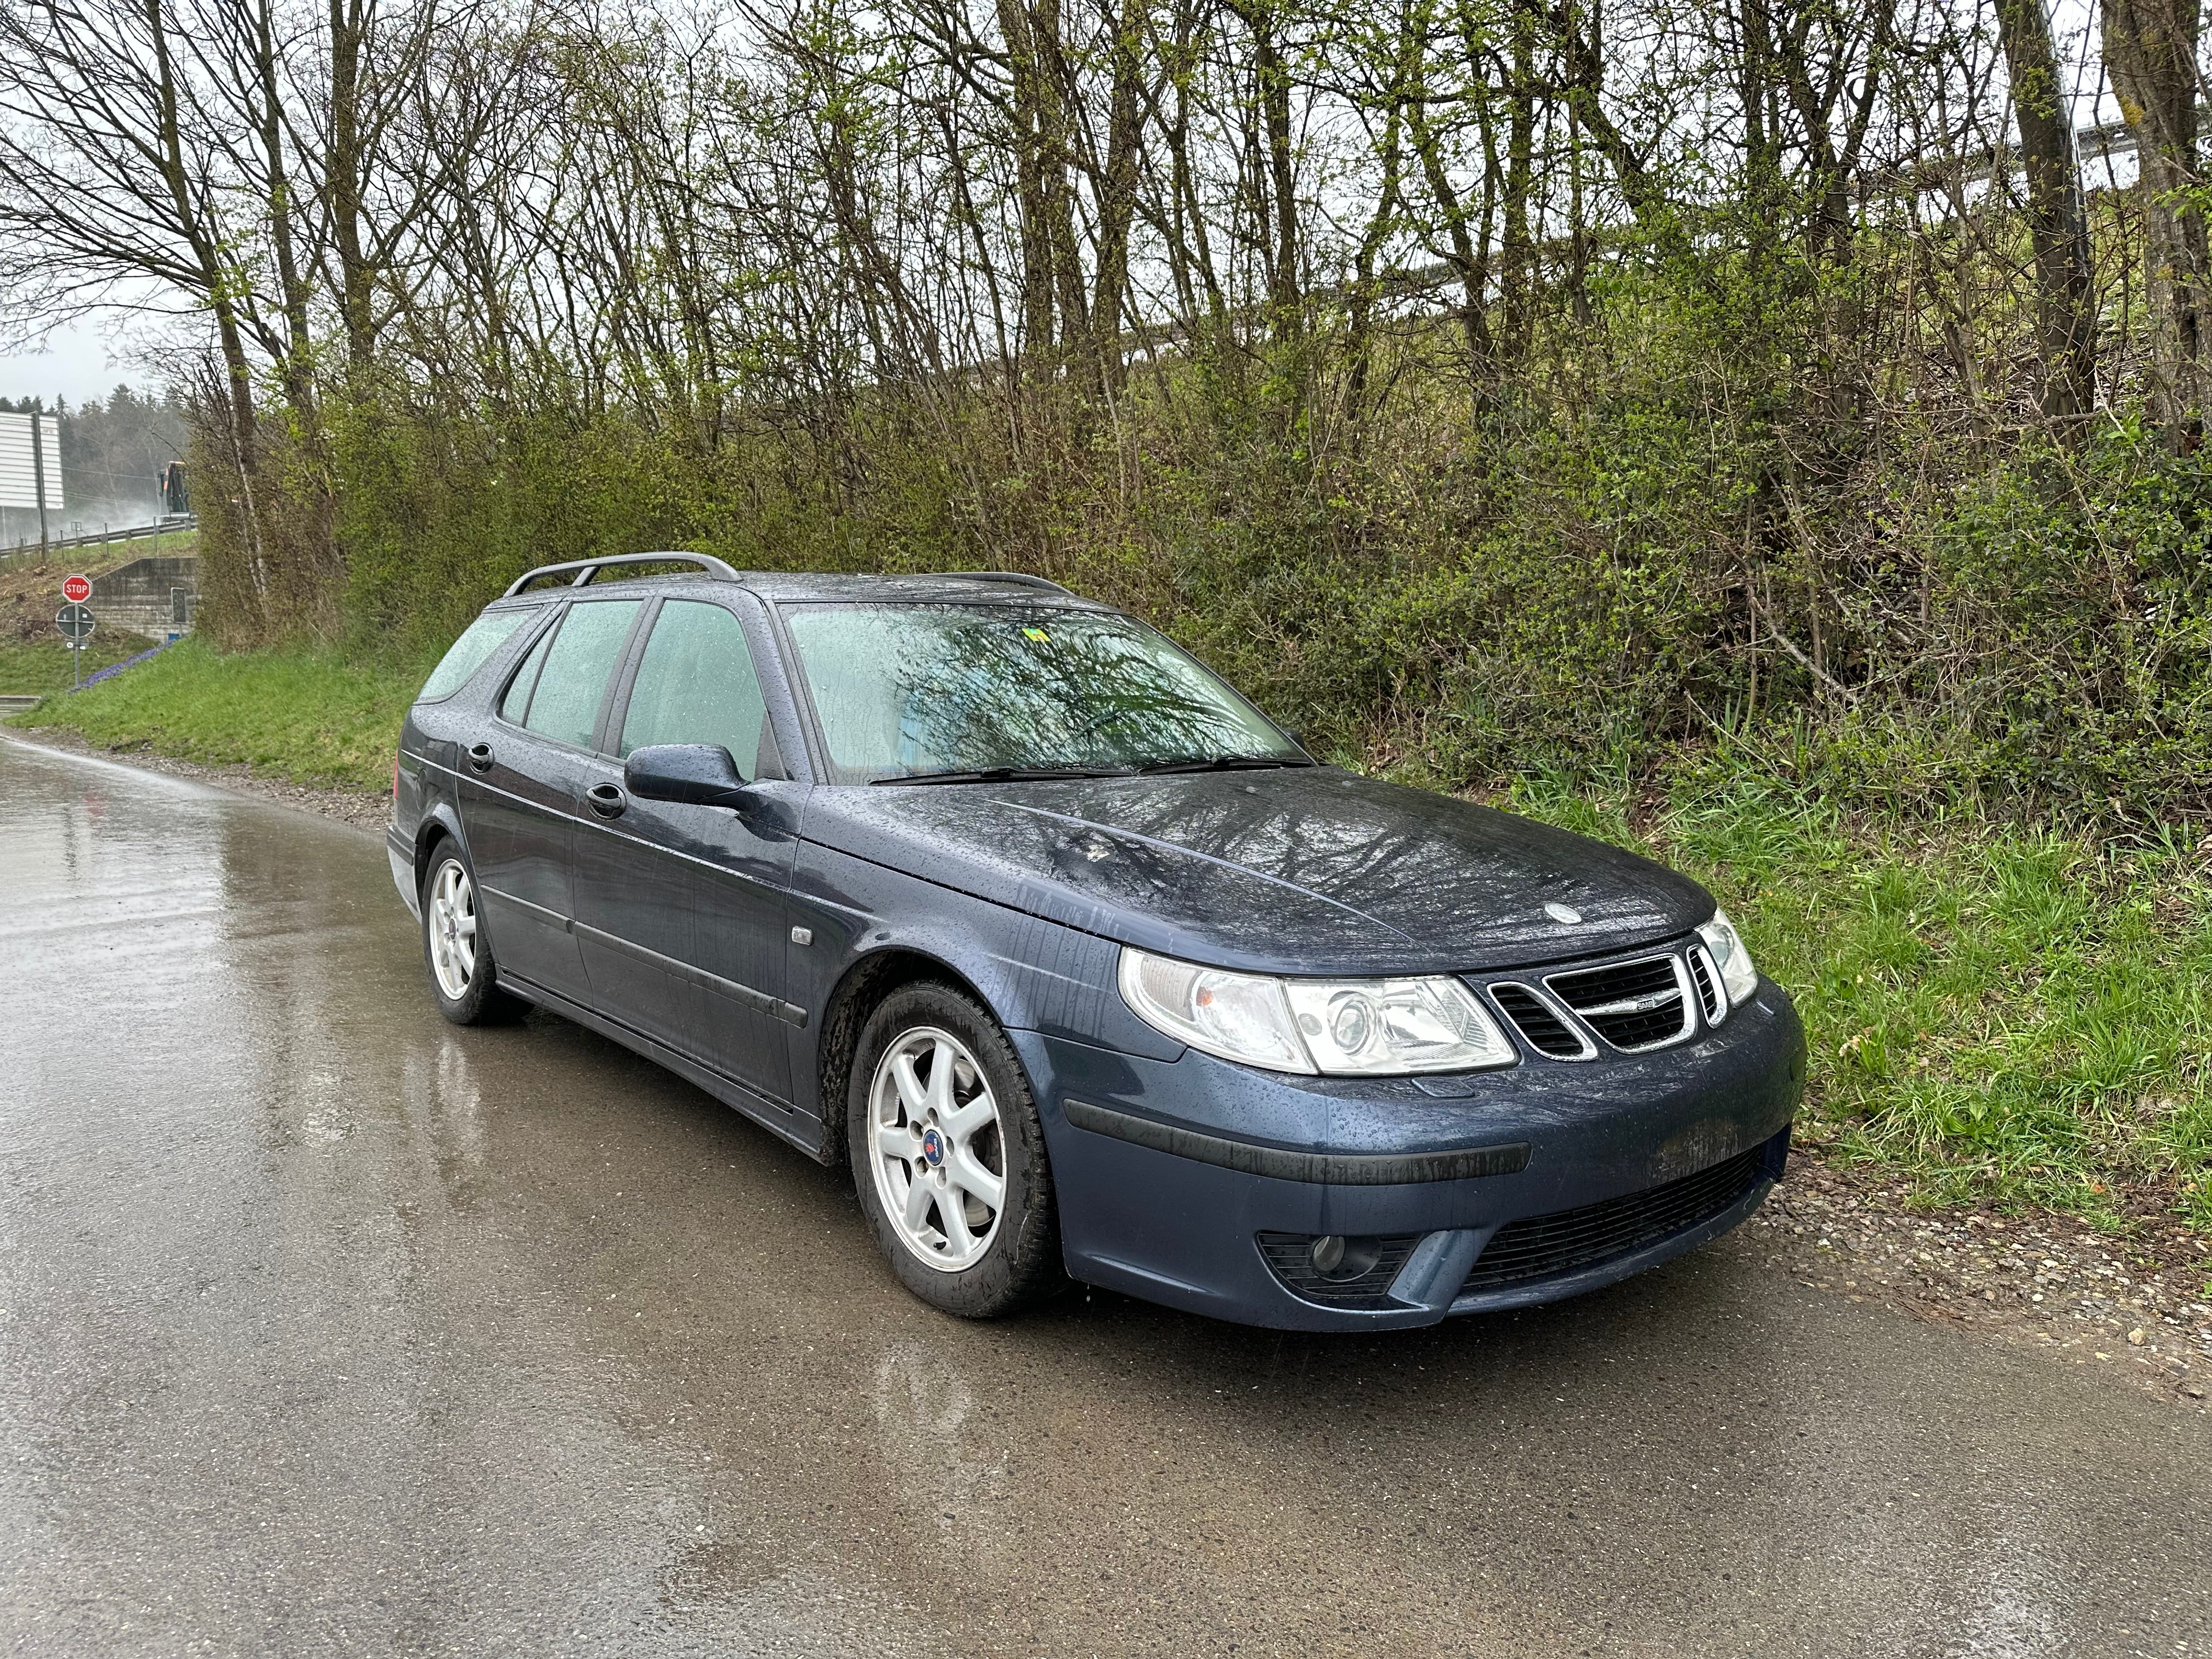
(1167, 1173)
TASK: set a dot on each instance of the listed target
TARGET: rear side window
(468, 653)
(516, 703)
(696, 683)
(564, 705)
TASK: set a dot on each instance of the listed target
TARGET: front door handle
(606, 799)
(480, 758)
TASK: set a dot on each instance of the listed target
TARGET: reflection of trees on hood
(1332, 845)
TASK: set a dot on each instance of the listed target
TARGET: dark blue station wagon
(1083, 965)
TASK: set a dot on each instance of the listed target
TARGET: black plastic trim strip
(777, 1116)
(1281, 1163)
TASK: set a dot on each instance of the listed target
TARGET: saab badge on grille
(1565, 913)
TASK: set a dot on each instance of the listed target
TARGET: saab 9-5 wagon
(1083, 965)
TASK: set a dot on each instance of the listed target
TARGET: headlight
(1337, 1027)
(1738, 977)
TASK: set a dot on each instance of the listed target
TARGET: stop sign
(76, 590)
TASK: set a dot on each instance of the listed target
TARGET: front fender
(1033, 975)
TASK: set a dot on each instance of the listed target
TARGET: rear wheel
(463, 977)
(949, 1158)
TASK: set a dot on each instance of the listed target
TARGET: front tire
(948, 1155)
(463, 977)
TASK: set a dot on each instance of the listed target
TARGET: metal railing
(25, 552)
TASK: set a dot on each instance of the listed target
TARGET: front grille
(1291, 1254)
(1544, 1246)
(1709, 985)
(1546, 1031)
(1631, 1005)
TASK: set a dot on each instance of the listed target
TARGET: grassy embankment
(1997, 1012)
(33, 657)
(42, 665)
(306, 717)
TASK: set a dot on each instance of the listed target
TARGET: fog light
(1337, 1258)
(1339, 1270)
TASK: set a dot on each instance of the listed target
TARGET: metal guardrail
(23, 552)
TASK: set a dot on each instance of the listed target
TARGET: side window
(515, 705)
(696, 683)
(565, 707)
(482, 636)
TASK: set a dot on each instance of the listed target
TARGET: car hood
(1307, 870)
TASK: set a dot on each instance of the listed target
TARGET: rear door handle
(480, 758)
(606, 799)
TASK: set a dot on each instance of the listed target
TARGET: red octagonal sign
(76, 590)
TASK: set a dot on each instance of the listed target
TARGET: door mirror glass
(701, 774)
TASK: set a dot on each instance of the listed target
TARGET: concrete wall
(154, 596)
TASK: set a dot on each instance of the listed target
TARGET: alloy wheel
(938, 1148)
(454, 930)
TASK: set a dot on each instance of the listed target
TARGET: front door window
(696, 683)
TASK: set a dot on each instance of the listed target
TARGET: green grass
(43, 665)
(2001, 1013)
(308, 717)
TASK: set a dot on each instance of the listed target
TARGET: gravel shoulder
(2134, 1311)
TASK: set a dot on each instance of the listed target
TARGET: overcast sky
(78, 363)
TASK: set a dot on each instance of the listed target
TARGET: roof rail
(587, 569)
(1021, 576)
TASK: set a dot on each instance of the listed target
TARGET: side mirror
(701, 773)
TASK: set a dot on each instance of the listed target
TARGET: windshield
(909, 691)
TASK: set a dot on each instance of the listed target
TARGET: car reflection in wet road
(328, 1327)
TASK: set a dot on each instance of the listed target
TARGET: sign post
(75, 624)
(38, 479)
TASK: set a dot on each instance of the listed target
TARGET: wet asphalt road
(327, 1328)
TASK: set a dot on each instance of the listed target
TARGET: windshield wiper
(1008, 775)
(1224, 763)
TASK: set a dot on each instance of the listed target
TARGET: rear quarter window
(470, 651)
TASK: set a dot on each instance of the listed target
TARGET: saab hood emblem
(1562, 912)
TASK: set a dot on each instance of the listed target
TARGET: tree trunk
(1519, 276)
(2150, 47)
(2058, 227)
(346, 164)
(1117, 192)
